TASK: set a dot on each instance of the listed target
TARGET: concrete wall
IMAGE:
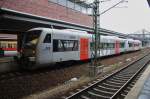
(47, 9)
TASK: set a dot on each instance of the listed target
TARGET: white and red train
(46, 46)
(8, 48)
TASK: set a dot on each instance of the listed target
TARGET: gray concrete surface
(145, 92)
(7, 64)
(141, 90)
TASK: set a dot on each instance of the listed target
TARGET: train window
(109, 45)
(47, 38)
(9, 45)
(91, 45)
(112, 45)
(65, 45)
(130, 44)
(105, 45)
(55, 45)
(75, 46)
(102, 45)
(15, 45)
(31, 38)
(3, 45)
(122, 45)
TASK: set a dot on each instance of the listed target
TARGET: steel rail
(108, 77)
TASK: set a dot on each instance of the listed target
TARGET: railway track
(115, 86)
(22, 83)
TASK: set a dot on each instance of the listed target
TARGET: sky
(127, 17)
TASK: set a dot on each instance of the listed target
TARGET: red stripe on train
(84, 48)
(117, 45)
(9, 49)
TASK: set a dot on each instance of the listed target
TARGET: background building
(25, 14)
(143, 35)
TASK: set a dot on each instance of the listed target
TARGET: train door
(117, 46)
(45, 49)
(84, 47)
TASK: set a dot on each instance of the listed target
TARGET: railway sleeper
(84, 97)
(124, 76)
(100, 92)
(138, 76)
(126, 91)
(97, 96)
(115, 83)
(133, 83)
(107, 88)
(129, 69)
(118, 81)
(129, 88)
(123, 94)
(127, 74)
(111, 86)
(124, 73)
(103, 92)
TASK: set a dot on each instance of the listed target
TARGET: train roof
(137, 41)
(64, 31)
(69, 30)
(83, 34)
(78, 31)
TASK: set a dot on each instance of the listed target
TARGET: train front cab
(32, 48)
(129, 45)
(137, 45)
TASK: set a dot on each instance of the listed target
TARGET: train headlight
(33, 52)
(32, 59)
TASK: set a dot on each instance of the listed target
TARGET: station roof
(11, 20)
(8, 37)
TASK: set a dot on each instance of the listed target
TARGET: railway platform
(141, 90)
(6, 59)
(7, 64)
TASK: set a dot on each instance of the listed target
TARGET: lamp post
(96, 38)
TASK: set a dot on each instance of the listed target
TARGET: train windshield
(31, 38)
